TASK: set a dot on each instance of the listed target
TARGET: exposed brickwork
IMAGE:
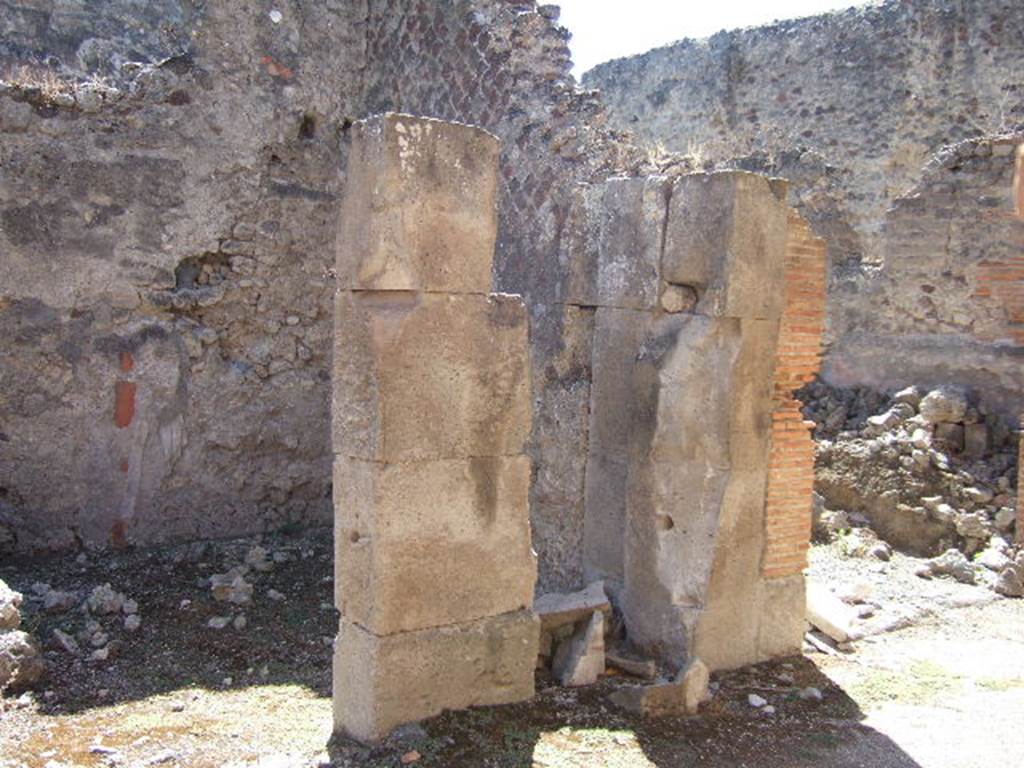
(1020, 486)
(124, 403)
(791, 465)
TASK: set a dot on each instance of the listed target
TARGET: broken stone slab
(65, 642)
(56, 601)
(579, 659)
(382, 682)
(425, 543)
(682, 695)
(646, 669)
(557, 609)
(421, 213)
(944, 405)
(104, 600)
(430, 376)
(1010, 582)
(830, 614)
(726, 237)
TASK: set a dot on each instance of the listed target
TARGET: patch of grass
(1001, 683)
(921, 682)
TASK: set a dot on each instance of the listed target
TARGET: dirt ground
(947, 691)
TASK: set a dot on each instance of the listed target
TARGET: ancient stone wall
(872, 113)
(169, 232)
(949, 303)
(168, 187)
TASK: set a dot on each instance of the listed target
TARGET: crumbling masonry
(708, 294)
(176, 184)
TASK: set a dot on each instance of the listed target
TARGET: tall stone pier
(434, 570)
(709, 299)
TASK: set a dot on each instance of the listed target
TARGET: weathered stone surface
(646, 669)
(558, 609)
(783, 608)
(579, 659)
(21, 663)
(427, 543)
(424, 217)
(944, 405)
(677, 471)
(186, 230)
(430, 376)
(828, 613)
(383, 682)
(615, 404)
(726, 237)
(613, 247)
(682, 695)
(10, 607)
(434, 569)
(697, 485)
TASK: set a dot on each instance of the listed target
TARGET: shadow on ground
(565, 727)
(282, 644)
(283, 641)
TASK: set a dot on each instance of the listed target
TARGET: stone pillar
(696, 499)
(434, 571)
(703, 326)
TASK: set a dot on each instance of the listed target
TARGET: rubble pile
(21, 664)
(932, 473)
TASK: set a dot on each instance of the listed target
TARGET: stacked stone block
(434, 568)
(696, 285)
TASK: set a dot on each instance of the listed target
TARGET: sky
(608, 29)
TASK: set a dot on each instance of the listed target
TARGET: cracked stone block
(579, 659)
(426, 543)
(726, 237)
(613, 245)
(381, 682)
(422, 213)
(430, 376)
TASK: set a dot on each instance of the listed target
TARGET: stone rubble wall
(167, 210)
(168, 230)
(897, 125)
(169, 225)
(948, 307)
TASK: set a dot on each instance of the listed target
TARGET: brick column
(1020, 485)
(434, 572)
(791, 468)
